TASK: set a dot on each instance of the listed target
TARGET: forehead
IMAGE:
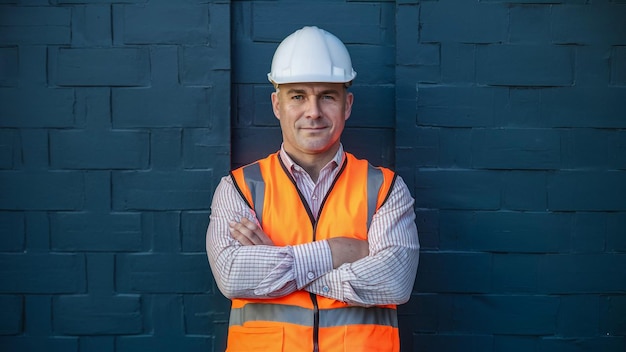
(313, 88)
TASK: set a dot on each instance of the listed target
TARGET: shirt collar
(292, 166)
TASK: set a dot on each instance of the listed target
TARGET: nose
(313, 110)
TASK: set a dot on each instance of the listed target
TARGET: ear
(275, 105)
(348, 108)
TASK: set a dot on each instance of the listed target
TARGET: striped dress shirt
(385, 276)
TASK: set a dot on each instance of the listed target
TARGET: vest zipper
(316, 310)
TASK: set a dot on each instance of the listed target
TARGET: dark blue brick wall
(114, 130)
(506, 119)
(510, 118)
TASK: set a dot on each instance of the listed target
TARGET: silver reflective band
(281, 313)
(254, 180)
(374, 182)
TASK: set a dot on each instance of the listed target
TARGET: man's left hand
(248, 233)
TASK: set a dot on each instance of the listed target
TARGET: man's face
(312, 116)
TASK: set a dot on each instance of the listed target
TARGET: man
(314, 247)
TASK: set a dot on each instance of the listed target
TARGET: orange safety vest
(302, 321)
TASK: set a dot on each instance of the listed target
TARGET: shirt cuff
(311, 260)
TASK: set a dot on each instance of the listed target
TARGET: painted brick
(163, 107)
(165, 148)
(457, 106)
(601, 272)
(467, 269)
(163, 23)
(54, 273)
(91, 25)
(41, 190)
(617, 145)
(8, 148)
(54, 107)
(593, 66)
(420, 55)
(188, 273)
(616, 228)
(471, 27)
(95, 315)
(587, 190)
(373, 64)
(612, 318)
(79, 149)
(452, 342)
(523, 109)
(101, 274)
(423, 74)
(207, 148)
(249, 144)
(420, 146)
(38, 315)
(76, 232)
(455, 149)
(516, 148)
(358, 141)
(579, 316)
(164, 343)
(37, 231)
(11, 319)
(458, 189)
(428, 228)
(12, 232)
(35, 25)
(254, 106)
(529, 23)
(525, 65)
(39, 343)
(100, 67)
(206, 314)
(618, 66)
(514, 343)
(204, 65)
(358, 23)
(164, 230)
(602, 23)
(583, 107)
(587, 149)
(374, 107)
(524, 190)
(591, 232)
(194, 226)
(34, 149)
(164, 190)
(9, 66)
(511, 232)
(607, 343)
(515, 273)
(458, 62)
(97, 343)
(252, 71)
(500, 314)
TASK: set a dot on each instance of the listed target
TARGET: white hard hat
(311, 54)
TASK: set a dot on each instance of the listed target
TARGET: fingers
(248, 233)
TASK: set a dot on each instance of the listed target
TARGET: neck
(313, 163)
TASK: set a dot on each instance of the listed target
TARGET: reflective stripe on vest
(303, 316)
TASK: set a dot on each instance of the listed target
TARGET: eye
(297, 97)
(328, 97)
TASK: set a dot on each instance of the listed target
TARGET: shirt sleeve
(387, 274)
(257, 271)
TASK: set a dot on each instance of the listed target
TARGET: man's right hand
(347, 250)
